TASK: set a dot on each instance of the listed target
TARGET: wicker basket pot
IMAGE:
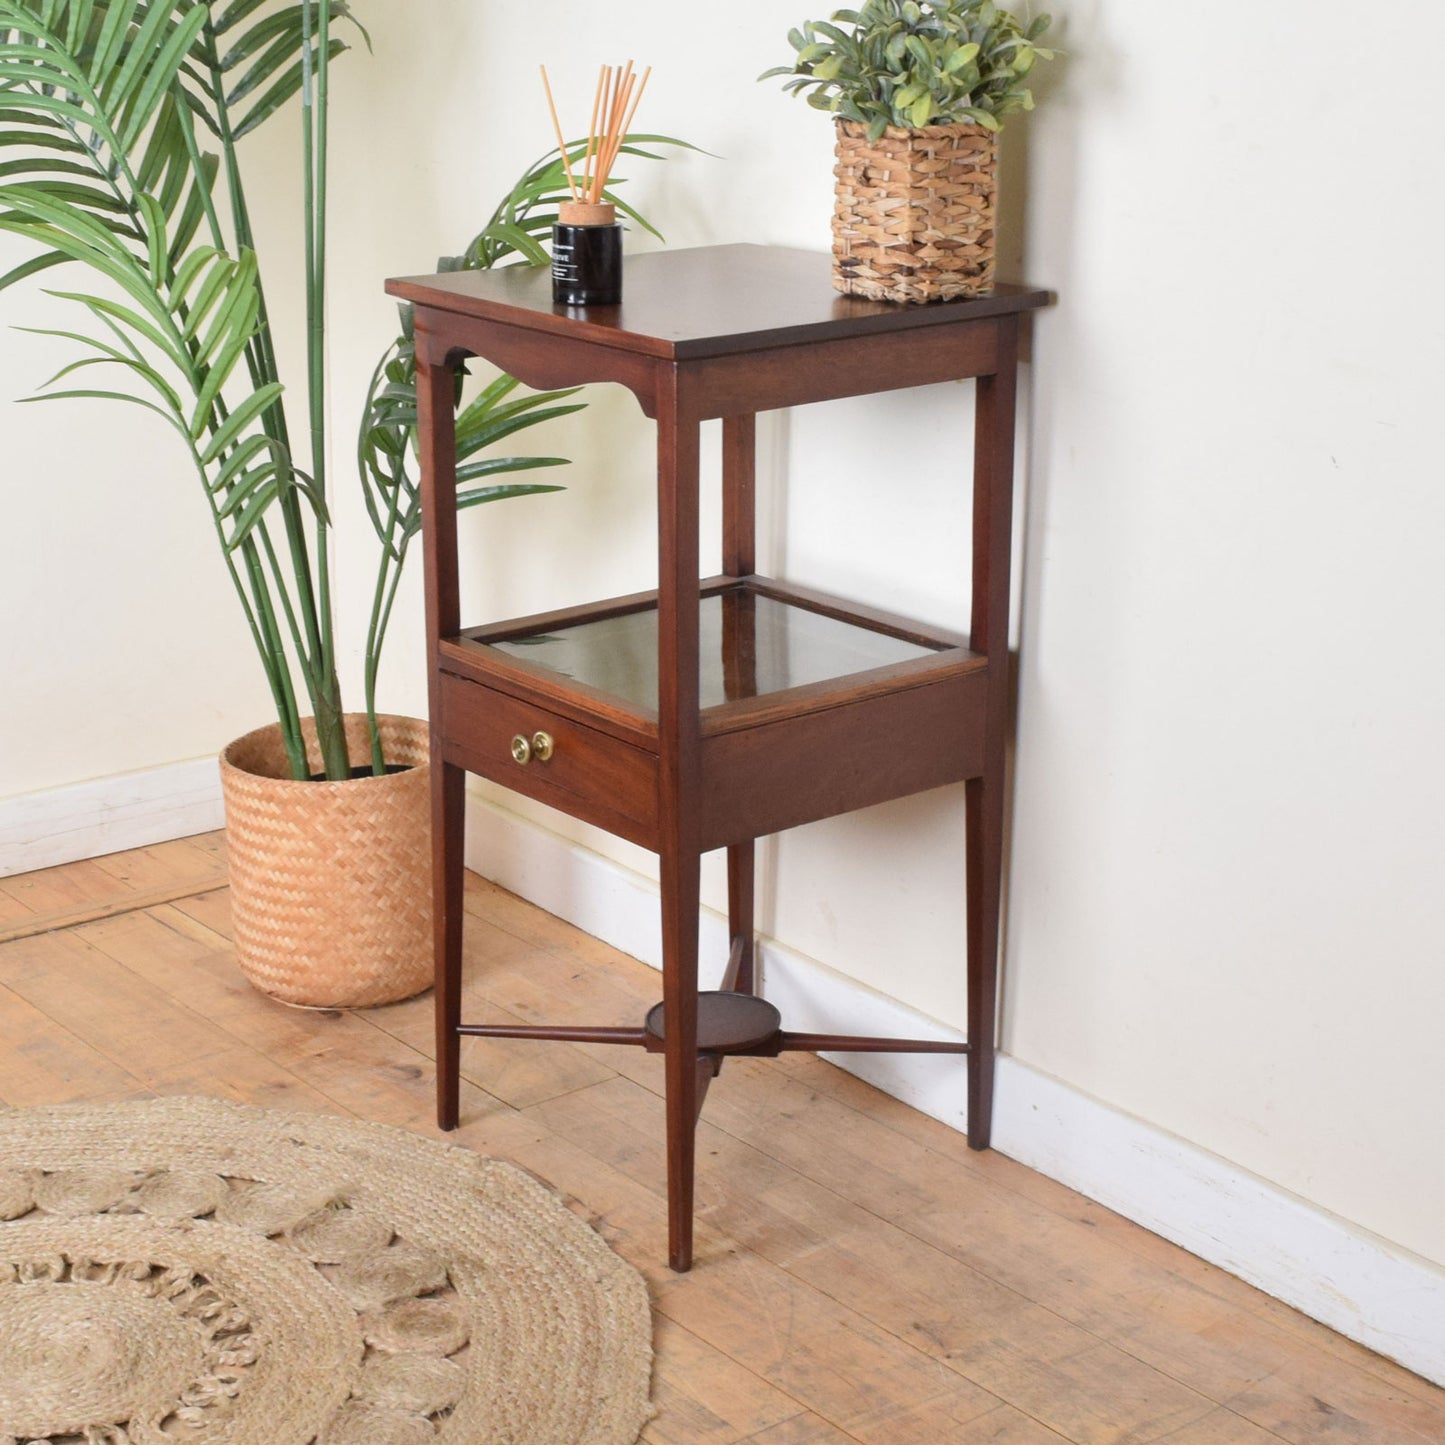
(914, 214)
(331, 882)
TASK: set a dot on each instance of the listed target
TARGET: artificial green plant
(914, 63)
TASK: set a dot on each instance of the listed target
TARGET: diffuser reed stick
(557, 125)
(614, 105)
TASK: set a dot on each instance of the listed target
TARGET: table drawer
(589, 774)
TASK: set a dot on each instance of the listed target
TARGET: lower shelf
(727, 1023)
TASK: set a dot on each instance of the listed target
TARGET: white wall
(1226, 912)
(1224, 902)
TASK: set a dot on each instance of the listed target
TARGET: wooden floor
(861, 1276)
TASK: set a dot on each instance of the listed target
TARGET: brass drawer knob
(539, 746)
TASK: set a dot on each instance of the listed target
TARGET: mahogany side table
(710, 712)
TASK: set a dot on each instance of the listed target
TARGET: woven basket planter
(914, 214)
(331, 882)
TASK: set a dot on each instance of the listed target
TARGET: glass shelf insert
(749, 646)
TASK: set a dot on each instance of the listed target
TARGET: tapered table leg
(436, 432)
(984, 841)
(680, 873)
(993, 468)
(679, 787)
(448, 823)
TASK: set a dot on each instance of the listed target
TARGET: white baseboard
(1333, 1271)
(86, 820)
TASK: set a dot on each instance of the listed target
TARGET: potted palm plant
(919, 90)
(120, 131)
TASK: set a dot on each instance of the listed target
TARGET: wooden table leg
(436, 429)
(679, 790)
(984, 841)
(993, 469)
(680, 874)
(448, 829)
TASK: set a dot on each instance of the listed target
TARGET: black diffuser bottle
(586, 255)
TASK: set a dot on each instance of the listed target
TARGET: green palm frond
(386, 449)
(185, 339)
(387, 444)
(245, 73)
(89, 116)
(92, 74)
(62, 227)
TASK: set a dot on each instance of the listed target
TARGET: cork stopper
(586, 213)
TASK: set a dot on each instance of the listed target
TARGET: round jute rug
(187, 1270)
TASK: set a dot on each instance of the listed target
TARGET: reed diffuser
(587, 239)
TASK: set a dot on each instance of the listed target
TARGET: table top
(700, 302)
